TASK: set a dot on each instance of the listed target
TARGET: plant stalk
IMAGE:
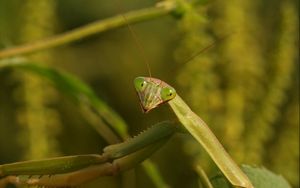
(89, 29)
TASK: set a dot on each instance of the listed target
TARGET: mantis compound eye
(167, 93)
(140, 83)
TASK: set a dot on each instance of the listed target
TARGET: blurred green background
(246, 87)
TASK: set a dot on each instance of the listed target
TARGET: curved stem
(89, 29)
(203, 177)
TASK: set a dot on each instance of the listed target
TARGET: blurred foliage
(260, 177)
(245, 87)
(34, 108)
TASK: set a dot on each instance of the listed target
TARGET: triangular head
(152, 92)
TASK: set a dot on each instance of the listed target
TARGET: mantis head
(152, 92)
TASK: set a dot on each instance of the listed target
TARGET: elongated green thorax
(152, 92)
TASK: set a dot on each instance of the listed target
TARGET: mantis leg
(198, 128)
(76, 170)
(7, 180)
(90, 173)
(71, 179)
(52, 165)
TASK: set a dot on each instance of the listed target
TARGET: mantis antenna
(137, 42)
(211, 45)
(142, 50)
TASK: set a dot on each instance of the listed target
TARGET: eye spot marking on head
(167, 93)
(140, 83)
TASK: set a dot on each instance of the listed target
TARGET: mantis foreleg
(76, 170)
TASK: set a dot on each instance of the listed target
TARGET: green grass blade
(80, 92)
(204, 180)
(152, 169)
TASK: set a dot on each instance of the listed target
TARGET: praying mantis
(153, 92)
(75, 170)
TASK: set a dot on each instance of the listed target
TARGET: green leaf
(260, 178)
(83, 94)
